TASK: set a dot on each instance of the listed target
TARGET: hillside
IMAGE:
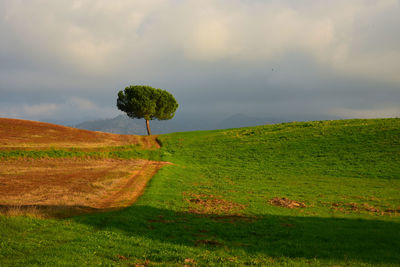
(22, 133)
(52, 170)
(242, 120)
(321, 193)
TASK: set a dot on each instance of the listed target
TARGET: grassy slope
(322, 164)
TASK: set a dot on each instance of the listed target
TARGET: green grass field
(212, 206)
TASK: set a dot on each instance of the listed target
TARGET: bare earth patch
(354, 207)
(60, 187)
(38, 135)
(286, 203)
(211, 204)
(63, 187)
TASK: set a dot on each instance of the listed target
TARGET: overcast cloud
(64, 61)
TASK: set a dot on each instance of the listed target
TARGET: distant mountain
(122, 124)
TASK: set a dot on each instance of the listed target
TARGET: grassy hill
(310, 193)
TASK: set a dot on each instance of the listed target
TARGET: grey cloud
(298, 59)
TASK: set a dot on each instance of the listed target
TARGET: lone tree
(142, 101)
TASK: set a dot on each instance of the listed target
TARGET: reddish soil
(31, 134)
(135, 186)
(211, 204)
(286, 203)
(62, 187)
(354, 207)
(73, 184)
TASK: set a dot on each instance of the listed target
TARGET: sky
(64, 61)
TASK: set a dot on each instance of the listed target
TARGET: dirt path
(133, 189)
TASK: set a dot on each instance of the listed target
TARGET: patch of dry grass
(62, 186)
(23, 134)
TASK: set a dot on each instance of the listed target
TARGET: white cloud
(336, 34)
(103, 37)
(210, 40)
(91, 36)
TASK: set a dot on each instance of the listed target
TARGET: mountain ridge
(122, 124)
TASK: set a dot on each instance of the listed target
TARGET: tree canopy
(142, 101)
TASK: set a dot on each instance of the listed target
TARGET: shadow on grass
(370, 241)
(47, 211)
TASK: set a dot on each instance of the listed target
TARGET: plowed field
(55, 186)
(67, 186)
(36, 135)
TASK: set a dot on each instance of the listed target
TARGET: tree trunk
(148, 127)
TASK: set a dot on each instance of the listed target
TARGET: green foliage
(141, 101)
(326, 165)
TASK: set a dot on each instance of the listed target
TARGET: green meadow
(218, 202)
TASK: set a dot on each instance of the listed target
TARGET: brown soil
(59, 186)
(189, 262)
(62, 187)
(286, 203)
(149, 142)
(129, 193)
(393, 210)
(31, 134)
(211, 204)
(354, 207)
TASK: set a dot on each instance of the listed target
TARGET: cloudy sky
(65, 60)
